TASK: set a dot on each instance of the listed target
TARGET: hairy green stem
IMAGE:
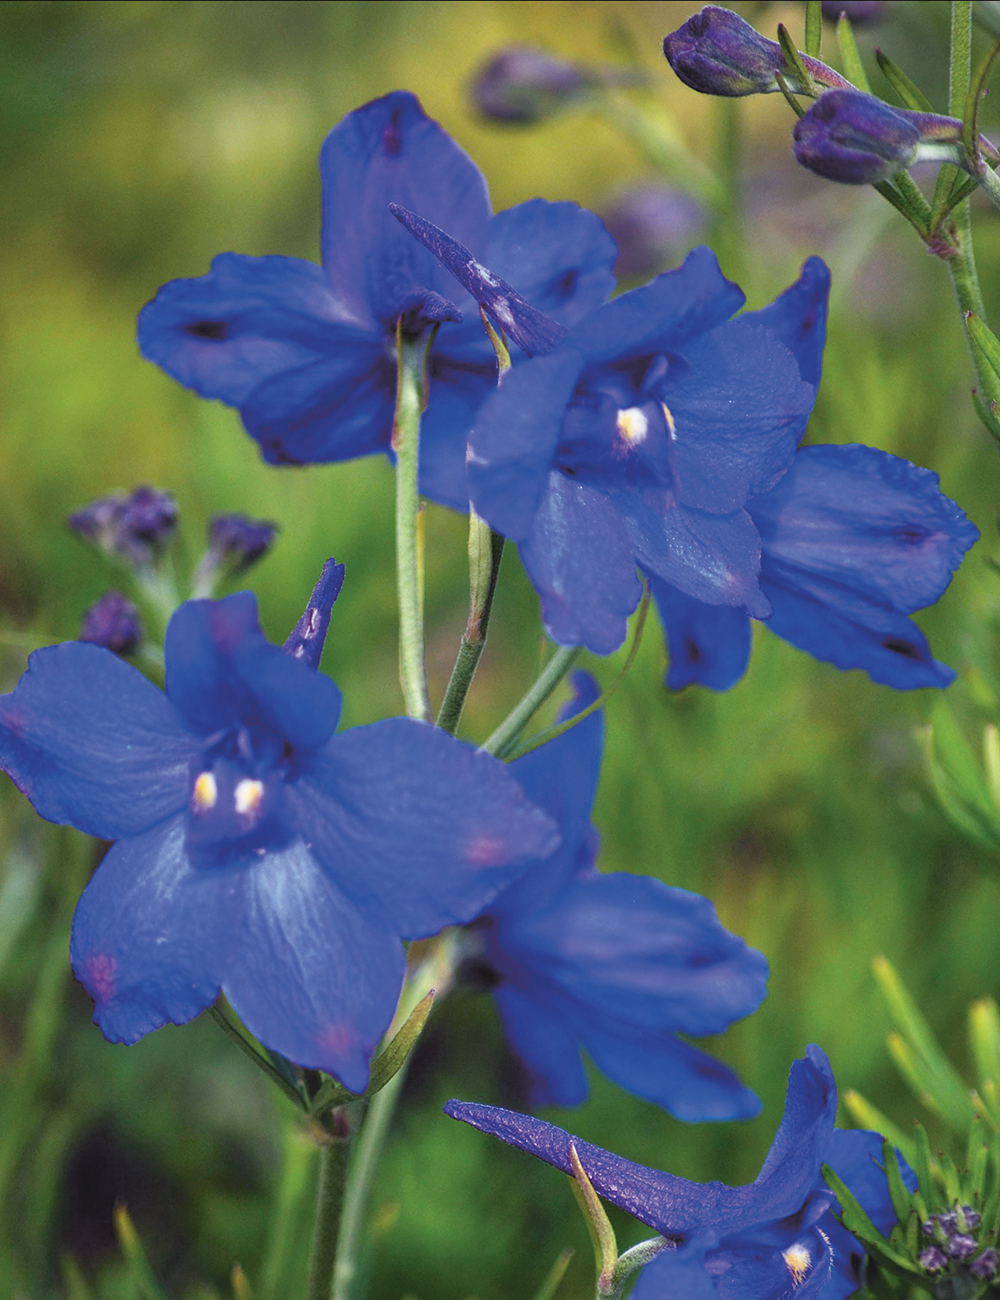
(411, 399)
(334, 1161)
(485, 554)
(509, 731)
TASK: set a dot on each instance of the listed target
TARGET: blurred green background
(139, 139)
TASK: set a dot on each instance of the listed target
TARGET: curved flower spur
(770, 1240)
(257, 852)
(307, 353)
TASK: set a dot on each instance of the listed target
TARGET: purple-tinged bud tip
(651, 225)
(985, 1266)
(933, 1259)
(972, 1218)
(962, 1246)
(240, 542)
(113, 622)
(854, 138)
(136, 527)
(308, 636)
(533, 332)
(522, 85)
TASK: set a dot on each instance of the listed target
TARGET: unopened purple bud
(854, 138)
(962, 1246)
(929, 1226)
(523, 85)
(933, 1259)
(135, 527)
(113, 622)
(651, 224)
(718, 53)
(947, 1222)
(860, 12)
(240, 542)
(972, 1218)
(534, 333)
(985, 1266)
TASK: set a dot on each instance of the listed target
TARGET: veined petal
(712, 558)
(546, 1047)
(709, 644)
(802, 1139)
(389, 151)
(673, 309)
(580, 559)
(153, 935)
(334, 408)
(676, 1273)
(311, 976)
(798, 317)
(416, 826)
(556, 255)
(514, 440)
(248, 319)
(93, 744)
(869, 521)
(738, 409)
(455, 398)
(856, 1155)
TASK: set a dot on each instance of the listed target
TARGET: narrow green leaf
(956, 777)
(970, 117)
(984, 340)
(794, 60)
(141, 1273)
(74, 1282)
(902, 1201)
(790, 99)
(922, 1167)
(991, 1209)
(554, 1276)
(814, 27)
(865, 1115)
(988, 415)
(857, 1221)
(394, 1056)
(913, 215)
(979, 1167)
(913, 1223)
(911, 94)
(853, 67)
(949, 1172)
(933, 1091)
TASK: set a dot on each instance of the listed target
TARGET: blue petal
(580, 560)
(738, 409)
(153, 935)
(221, 670)
(843, 628)
(332, 409)
(856, 1155)
(763, 1272)
(514, 440)
(548, 1050)
(250, 318)
(92, 744)
(712, 558)
(798, 317)
(675, 1274)
(673, 309)
(709, 644)
(386, 152)
(416, 826)
(533, 332)
(557, 255)
(311, 976)
(455, 398)
(308, 636)
(869, 521)
(801, 1143)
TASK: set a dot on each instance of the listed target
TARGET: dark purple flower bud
(948, 1223)
(933, 1259)
(113, 622)
(651, 224)
(858, 11)
(718, 53)
(135, 527)
(962, 1246)
(532, 331)
(854, 138)
(930, 1226)
(523, 85)
(240, 542)
(972, 1218)
(985, 1266)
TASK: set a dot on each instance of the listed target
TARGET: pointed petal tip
(308, 636)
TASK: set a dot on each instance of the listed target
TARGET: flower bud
(933, 1259)
(985, 1266)
(718, 53)
(651, 224)
(962, 1246)
(136, 527)
(854, 138)
(524, 85)
(113, 622)
(235, 543)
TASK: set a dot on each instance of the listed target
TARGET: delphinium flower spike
(307, 353)
(770, 1240)
(258, 852)
(617, 965)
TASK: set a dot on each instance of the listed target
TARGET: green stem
(245, 1046)
(411, 399)
(485, 554)
(728, 223)
(507, 734)
(334, 1160)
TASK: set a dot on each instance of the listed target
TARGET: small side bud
(933, 1259)
(985, 1266)
(235, 544)
(522, 85)
(113, 622)
(135, 528)
(652, 224)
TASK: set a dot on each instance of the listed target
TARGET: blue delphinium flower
(617, 964)
(853, 540)
(770, 1240)
(307, 353)
(640, 438)
(257, 853)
